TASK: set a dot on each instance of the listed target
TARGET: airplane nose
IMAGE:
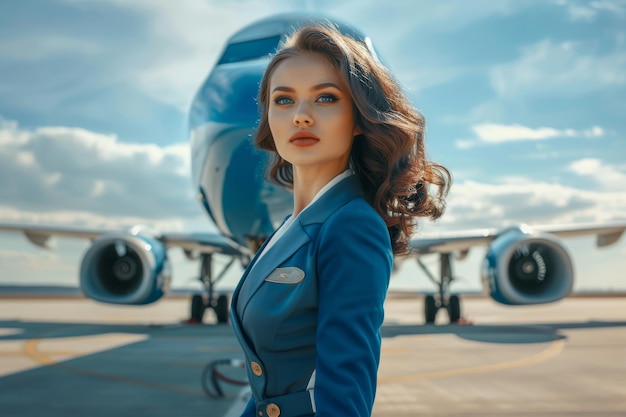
(232, 180)
(228, 96)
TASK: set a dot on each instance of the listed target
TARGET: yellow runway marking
(554, 349)
(30, 348)
(31, 351)
(26, 348)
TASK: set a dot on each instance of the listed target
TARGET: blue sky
(524, 102)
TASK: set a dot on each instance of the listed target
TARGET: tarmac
(76, 357)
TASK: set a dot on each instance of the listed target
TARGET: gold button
(272, 410)
(256, 368)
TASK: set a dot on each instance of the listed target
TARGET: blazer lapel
(235, 297)
(293, 239)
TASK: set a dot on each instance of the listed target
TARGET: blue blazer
(308, 313)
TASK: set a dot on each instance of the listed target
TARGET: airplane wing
(462, 242)
(204, 242)
(449, 242)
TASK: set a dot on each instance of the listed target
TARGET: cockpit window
(243, 51)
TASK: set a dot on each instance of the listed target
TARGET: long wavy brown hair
(388, 155)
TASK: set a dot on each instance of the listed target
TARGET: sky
(524, 102)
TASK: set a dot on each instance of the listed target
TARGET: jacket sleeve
(353, 269)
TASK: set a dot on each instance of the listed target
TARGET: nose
(302, 116)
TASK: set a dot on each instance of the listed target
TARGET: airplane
(523, 265)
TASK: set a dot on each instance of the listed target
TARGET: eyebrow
(314, 88)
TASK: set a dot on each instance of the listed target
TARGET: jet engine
(524, 267)
(125, 268)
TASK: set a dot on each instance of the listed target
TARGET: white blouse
(285, 226)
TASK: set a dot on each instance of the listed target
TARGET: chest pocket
(287, 275)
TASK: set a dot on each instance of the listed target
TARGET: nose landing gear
(200, 302)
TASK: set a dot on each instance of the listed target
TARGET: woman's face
(310, 114)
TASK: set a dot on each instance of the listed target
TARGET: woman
(309, 307)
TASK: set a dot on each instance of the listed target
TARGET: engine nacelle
(125, 268)
(523, 267)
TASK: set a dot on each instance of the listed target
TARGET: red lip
(302, 137)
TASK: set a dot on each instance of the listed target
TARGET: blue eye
(283, 100)
(327, 98)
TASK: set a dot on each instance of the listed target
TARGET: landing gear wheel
(197, 308)
(430, 309)
(221, 309)
(454, 308)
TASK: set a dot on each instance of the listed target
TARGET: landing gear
(200, 302)
(430, 309)
(221, 308)
(197, 308)
(443, 299)
(454, 308)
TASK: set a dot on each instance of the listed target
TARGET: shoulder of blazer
(338, 196)
(356, 213)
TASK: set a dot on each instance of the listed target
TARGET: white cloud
(53, 178)
(10, 134)
(558, 69)
(25, 158)
(589, 10)
(425, 15)
(405, 43)
(607, 176)
(78, 218)
(493, 133)
(612, 6)
(581, 13)
(108, 148)
(522, 200)
(75, 175)
(186, 39)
